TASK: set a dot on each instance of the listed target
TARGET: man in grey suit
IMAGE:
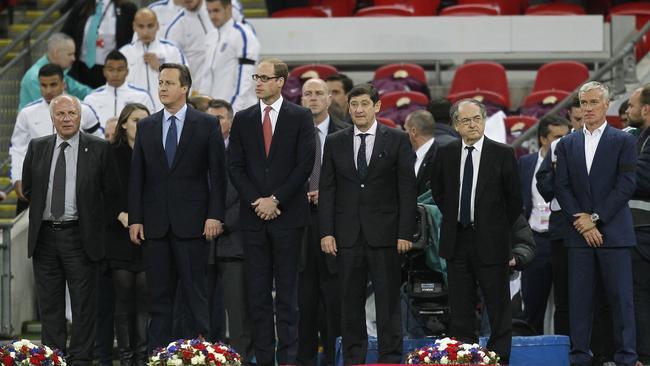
(68, 178)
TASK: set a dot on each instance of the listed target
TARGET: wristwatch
(595, 218)
(275, 199)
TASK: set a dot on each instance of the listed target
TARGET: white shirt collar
(325, 125)
(371, 131)
(180, 115)
(275, 106)
(478, 145)
(72, 141)
(422, 150)
(599, 130)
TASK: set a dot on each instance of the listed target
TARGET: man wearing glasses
(475, 183)
(272, 150)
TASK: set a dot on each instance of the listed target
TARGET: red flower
(187, 355)
(34, 360)
(7, 360)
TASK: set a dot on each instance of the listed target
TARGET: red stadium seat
(506, 7)
(420, 7)
(385, 11)
(410, 70)
(470, 10)
(483, 79)
(302, 12)
(392, 99)
(339, 8)
(322, 71)
(555, 9)
(386, 121)
(641, 10)
(519, 123)
(557, 79)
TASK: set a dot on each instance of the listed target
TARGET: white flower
(427, 359)
(444, 360)
(175, 362)
(486, 359)
(220, 358)
(196, 360)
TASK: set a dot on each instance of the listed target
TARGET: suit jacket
(381, 207)
(230, 244)
(526, 171)
(184, 196)
(120, 246)
(423, 178)
(75, 25)
(558, 225)
(96, 190)
(497, 202)
(283, 173)
(606, 190)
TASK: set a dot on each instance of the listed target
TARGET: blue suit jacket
(605, 190)
(526, 171)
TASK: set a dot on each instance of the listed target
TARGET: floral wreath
(195, 352)
(24, 352)
(448, 351)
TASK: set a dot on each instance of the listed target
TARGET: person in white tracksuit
(232, 53)
(189, 32)
(109, 99)
(34, 121)
(167, 10)
(147, 53)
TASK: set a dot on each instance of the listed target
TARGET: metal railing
(619, 65)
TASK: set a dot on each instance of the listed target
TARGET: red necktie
(267, 129)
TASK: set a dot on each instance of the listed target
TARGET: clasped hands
(266, 208)
(588, 229)
(328, 245)
(211, 230)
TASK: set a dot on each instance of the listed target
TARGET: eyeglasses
(264, 78)
(467, 121)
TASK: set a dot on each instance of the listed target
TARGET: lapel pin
(85, 149)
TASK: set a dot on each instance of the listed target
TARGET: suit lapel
(485, 168)
(429, 156)
(454, 174)
(186, 136)
(348, 150)
(581, 159)
(601, 150)
(256, 129)
(378, 149)
(49, 153)
(157, 140)
(82, 162)
(279, 127)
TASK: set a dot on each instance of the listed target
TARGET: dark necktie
(362, 163)
(171, 141)
(466, 191)
(58, 184)
(267, 129)
(315, 172)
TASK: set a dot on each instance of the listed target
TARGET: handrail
(24, 38)
(623, 51)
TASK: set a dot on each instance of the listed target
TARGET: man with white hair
(60, 51)
(595, 179)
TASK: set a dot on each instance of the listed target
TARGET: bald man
(145, 55)
(317, 281)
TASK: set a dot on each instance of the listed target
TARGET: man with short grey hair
(60, 51)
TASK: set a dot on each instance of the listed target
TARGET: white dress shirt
(541, 211)
(591, 143)
(322, 129)
(180, 122)
(275, 111)
(370, 142)
(71, 154)
(476, 162)
(420, 153)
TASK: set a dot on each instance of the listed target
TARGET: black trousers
(641, 276)
(318, 300)
(383, 265)
(59, 258)
(560, 266)
(536, 283)
(464, 272)
(271, 256)
(105, 307)
(172, 261)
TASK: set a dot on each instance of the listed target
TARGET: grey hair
(453, 113)
(56, 40)
(71, 97)
(422, 121)
(594, 85)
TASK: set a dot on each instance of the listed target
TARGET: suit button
(363, 186)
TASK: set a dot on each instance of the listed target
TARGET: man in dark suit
(68, 179)
(367, 215)
(271, 155)
(594, 180)
(537, 278)
(420, 127)
(476, 186)
(176, 202)
(318, 293)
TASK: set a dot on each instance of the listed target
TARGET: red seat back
(561, 75)
(303, 12)
(411, 70)
(420, 7)
(555, 9)
(470, 10)
(323, 70)
(340, 8)
(506, 7)
(390, 100)
(487, 79)
(385, 11)
(519, 123)
(386, 121)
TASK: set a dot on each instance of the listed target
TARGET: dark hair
(50, 70)
(645, 94)
(280, 69)
(120, 133)
(344, 79)
(364, 89)
(185, 77)
(220, 103)
(622, 109)
(115, 55)
(550, 120)
(575, 102)
(439, 109)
